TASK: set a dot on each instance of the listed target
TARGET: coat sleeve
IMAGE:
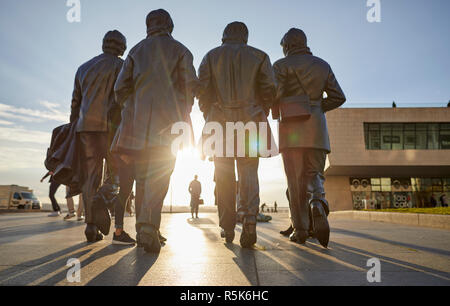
(187, 77)
(76, 99)
(335, 95)
(124, 83)
(206, 89)
(280, 76)
(266, 84)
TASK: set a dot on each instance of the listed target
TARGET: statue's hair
(159, 21)
(115, 43)
(235, 31)
(294, 38)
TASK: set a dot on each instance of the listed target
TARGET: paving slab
(34, 250)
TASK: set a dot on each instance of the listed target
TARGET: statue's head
(114, 43)
(294, 39)
(159, 22)
(196, 176)
(235, 32)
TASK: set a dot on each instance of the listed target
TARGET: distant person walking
(433, 202)
(71, 207)
(195, 189)
(263, 207)
(52, 191)
(130, 204)
(443, 199)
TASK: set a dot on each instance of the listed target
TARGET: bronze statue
(238, 85)
(92, 100)
(304, 141)
(156, 85)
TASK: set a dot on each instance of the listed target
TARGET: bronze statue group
(122, 111)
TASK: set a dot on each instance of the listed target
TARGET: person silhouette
(195, 189)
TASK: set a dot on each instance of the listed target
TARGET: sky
(404, 57)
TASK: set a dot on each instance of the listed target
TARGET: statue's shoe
(320, 223)
(287, 232)
(248, 235)
(228, 235)
(149, 238)
(299, 236)
(91, 233)
(102, 217)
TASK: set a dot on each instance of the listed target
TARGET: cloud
(21, 158)
(50, 113)
(22, 142)
(19, 134)
(4, 122)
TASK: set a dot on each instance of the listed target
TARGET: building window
(384, 192)
(407, 136)
(444, 136)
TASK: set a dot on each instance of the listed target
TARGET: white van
(12, 196)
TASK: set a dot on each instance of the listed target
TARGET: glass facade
(407, 136)
(380, 193)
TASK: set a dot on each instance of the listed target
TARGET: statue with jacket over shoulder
(303, 141)
(156, 89)
(92, 106)
(237, 86)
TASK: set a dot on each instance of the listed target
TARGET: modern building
(388, 158)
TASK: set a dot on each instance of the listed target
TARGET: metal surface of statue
(304, 144)
(156, 86)
(238, 85)
(92, 102)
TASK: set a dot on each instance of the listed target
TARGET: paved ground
(34, 250)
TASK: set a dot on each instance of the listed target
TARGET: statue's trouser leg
(93, 147)
(304, 171)
(140, 184)
(293, 166)
(154, 167)
(112, 163)
(226, 192)
(248, 197)
(314, 167)
(126, 181)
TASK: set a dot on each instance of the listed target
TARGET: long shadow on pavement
(407, 245)
(209, 233)
(27, 272)
(9, 234)
(245, 260)
(128, 271)
(105, 251)
(310, 264)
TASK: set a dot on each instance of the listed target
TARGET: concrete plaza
(34, 250)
